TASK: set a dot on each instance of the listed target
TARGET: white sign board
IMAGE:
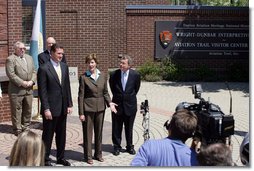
(73, 73)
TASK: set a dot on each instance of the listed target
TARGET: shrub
(149, 68)
(170, 71)
(153, 78)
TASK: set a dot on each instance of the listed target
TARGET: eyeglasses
(51, 43)
(22, 48)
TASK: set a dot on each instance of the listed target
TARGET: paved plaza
(163, 97)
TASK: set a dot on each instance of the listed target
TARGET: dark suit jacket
(126, 100)
(44, 57)
(93, 96)
(53, 95)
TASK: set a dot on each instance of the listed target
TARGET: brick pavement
(163, 98)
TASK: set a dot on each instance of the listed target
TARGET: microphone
(230, 109)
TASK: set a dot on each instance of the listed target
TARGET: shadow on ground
(211, 87)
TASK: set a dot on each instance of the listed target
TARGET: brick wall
(14, 23)
(118, 28)
(3, 32)
(5, 110)
(82, 27)
(4, 101)
(85, 27)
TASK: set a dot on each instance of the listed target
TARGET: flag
(36, 44)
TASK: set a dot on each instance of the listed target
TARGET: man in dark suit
(45, 56)
(56, 102)
(124, 84)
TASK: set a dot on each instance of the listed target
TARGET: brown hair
(91, 56)
(183, 124)
(28, 150)
(217, 154)
(56, 46)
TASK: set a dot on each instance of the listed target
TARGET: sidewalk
(163, 97)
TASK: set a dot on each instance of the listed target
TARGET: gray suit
(20, 97)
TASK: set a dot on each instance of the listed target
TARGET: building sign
(202, 39)
(73, 73)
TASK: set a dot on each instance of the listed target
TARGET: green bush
(170, 70)
(149, 68)
(153, 78)
(167, 69)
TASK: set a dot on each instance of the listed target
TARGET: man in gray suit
(22, 75)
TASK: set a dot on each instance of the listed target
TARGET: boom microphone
(230, 109)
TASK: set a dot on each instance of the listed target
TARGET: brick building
(105, 27)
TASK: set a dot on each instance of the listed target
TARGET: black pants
(56, 125)
(117, 127)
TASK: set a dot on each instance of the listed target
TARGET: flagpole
(36, 44)
(36, 47)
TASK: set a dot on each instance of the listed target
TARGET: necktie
(23, 61)
(59, 72)
(124, 80)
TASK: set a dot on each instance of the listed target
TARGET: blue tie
(124, 80)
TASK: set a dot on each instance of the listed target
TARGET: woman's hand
(113, 107)
(82, 118)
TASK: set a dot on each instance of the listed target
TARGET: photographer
(217, 154)
(170, 151)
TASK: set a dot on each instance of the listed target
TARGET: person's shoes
(48, 163)
(131, 151)
(100, 159)
(25, 129)
(116, 152)
(63, 162)
(17, 132)
(89, 161)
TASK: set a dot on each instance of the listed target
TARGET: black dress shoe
(48, 163)
(116, 152)
(100, 159)
(63, 162)
(17, 132)
(131, 151)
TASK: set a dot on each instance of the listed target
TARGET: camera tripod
(144, 109)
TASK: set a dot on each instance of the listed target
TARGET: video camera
(213, 125)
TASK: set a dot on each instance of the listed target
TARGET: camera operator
(244, 150)
(217, 154)
(172, 150)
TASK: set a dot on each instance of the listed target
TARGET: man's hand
(196, 144)
(48, 114)
(27, 84)
(24, 84)
(113, 107)
(69, 110)
(30, 83)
